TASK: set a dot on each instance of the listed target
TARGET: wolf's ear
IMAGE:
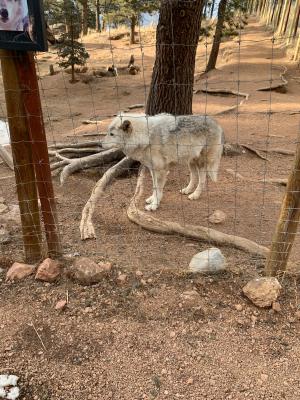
(126, 126)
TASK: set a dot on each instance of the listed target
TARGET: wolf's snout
(4, 14)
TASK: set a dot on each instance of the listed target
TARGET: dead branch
(87, 229)
(151, 223)
(75, 145)
(226, 92)
(136, 106)
(94, 160)
(6, 157)
(281, 87)
(285, 152)
(255, 151)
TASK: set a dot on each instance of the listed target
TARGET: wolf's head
(11, 11)
(118, 134)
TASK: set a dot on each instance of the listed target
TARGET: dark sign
(22, 25)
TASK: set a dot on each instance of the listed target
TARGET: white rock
(217, 217)
(208, 261)
(8, 380)
(2, 393)
(13, 393)
(262, 291)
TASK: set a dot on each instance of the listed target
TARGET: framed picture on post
(22, 25)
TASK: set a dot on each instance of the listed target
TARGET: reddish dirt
(145, 341)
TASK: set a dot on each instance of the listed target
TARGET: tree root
(87, 230)
(281, 87)
(226, 92)
(151, 223)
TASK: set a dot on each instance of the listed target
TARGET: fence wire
(244, 191)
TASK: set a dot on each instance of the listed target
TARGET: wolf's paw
(186, 190)
(151, 207)
(194, 196)
(150, 200)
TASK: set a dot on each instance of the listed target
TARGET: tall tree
(217, 38)
(177, 37)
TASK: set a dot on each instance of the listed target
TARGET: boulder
(19, 271)
(208, 262)
(86, 272)
(48, 271)
(263, 292)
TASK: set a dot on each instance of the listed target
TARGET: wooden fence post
(287, 224)
(32, 103)
(22, 156)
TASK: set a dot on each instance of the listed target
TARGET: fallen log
(148, 222)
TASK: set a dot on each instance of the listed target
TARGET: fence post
(287, 224)
(32, 103)
(22, 156)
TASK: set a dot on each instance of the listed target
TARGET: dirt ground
(153, 340)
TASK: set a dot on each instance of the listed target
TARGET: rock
(297, 314)
(190, 381)
(48, 271)
(2, 200)
(262, 291)
(217, 217)
(121, 279)
(19, 271)
(208, 261)
(4, 235)
(276, 306)
(60, 305)
(86, 272)
(138, 274)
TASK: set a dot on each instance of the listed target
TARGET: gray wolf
(162, 140)
(14, 15)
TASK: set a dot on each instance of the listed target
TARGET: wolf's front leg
(159, 180)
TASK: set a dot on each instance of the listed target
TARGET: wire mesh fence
(261, 126)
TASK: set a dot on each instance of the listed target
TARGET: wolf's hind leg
(193, 178)
(202, 172)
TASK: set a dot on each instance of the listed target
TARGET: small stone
(60, 305)
(262, 291)
(208, 261)
(48, 271)
(2, 199)
(190, 296)
(190, 381)
(172, 334)
(238, 307)
(264, 377)
(86, 272)
(276, 306)
(19, 271)
(217, 217)
(143, 282)
(138, 274)
(121, 279)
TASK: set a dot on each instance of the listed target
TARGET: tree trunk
(177, 37)
(133, 22)
(217, 38)
(212, 8)
(98, 25)
(84, 20)
(73, 73)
